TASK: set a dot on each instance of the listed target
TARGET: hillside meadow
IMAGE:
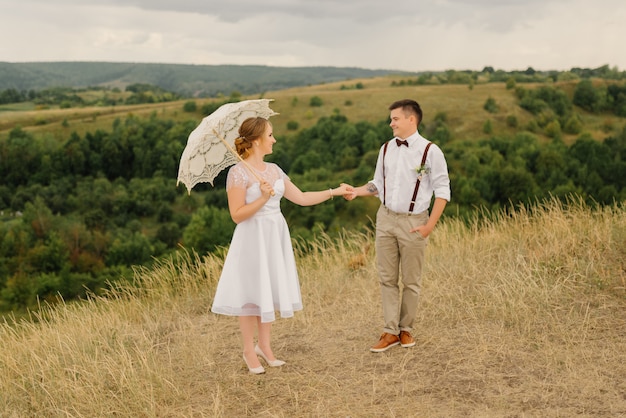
(462, 105)
(523, 314)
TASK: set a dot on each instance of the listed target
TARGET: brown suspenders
(417, 183)
(384, 177)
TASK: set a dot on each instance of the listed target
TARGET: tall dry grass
(522, 315)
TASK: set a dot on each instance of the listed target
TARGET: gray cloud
(406, 34)
(490, 13)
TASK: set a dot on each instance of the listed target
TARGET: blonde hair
(250, 130)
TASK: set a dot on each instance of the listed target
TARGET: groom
(410, 170)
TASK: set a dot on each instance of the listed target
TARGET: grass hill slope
(524, 315)
(462, 106)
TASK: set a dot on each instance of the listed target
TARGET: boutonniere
(421, 171)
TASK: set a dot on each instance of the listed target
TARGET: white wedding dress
(259, 275)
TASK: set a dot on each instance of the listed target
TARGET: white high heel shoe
(253, 370)
(272, 363)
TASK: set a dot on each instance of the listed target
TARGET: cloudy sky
(411, 35)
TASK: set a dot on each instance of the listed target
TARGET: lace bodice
(241, 176)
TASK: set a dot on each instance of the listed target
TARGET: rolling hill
(187, 80)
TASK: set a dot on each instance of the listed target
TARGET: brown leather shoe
(385, 343)
(406, 339)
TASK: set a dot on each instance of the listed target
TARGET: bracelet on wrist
(331, 193)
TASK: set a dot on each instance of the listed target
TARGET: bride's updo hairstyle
(250, 130)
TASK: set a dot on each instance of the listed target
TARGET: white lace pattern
(240, 175)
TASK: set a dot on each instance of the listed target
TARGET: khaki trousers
(399, 254)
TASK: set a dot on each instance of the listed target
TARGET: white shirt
(401, 175)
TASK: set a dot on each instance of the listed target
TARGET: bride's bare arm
(239, 210)
(297, 196)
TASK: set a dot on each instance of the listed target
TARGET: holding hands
(343, 190)
(350, 193)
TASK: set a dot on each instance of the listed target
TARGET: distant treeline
(530, 75)
(222, 80)
(79, 213)
(185, 80)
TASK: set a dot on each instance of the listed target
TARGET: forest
(78, 214)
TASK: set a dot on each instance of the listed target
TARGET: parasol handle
(236, 154)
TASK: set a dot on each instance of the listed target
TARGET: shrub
(490, 105)
(487, 127)
(190, 106)
(510, 83)
(316, 101)
(511, 121)
(573, 125)
(553, 129)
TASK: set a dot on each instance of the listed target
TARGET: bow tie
(401, 142)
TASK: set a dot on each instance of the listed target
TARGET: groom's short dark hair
(410, 106)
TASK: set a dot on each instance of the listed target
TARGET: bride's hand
(266, 190)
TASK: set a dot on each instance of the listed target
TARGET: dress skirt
(259, 275)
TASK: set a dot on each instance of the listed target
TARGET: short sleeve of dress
(281, 174)
(237, 177)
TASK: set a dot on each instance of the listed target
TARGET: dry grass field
(523, 315)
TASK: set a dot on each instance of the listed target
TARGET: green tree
(48, 255)
(438, 131)
(348, 158)
(209, 228)
(18, 292)
(20, 156)
(587, 97)
(573, 124)
(169, 233)
(616, 98)
(307, 161)
(553, 129)
(39, 217)
(590, 164)
(129, 249)
(516, 185)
